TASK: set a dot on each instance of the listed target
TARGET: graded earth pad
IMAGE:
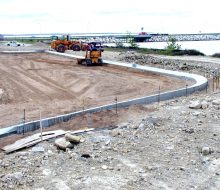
(57, 85)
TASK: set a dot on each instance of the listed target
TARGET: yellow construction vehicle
(92, 57)
(64, 43)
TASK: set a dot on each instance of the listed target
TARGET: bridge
(123, 37)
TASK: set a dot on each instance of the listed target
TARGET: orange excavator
(64, 43)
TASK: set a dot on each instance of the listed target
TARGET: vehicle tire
(60, 48)
(88, 62)
(76, 48)
(100, 61)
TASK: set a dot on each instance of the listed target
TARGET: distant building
(1, 37)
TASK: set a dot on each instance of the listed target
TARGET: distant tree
(172, 45)
(132, 43)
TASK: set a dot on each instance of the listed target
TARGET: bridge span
(123, 38)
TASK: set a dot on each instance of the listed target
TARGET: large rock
(216, 102)
(72, 138)
(195, 105)
(17, 176)
(63, 144)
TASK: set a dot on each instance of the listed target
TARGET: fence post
(116, 105)
(186, 90)
(159, 94)
(24, 118)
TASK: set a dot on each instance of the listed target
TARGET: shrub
(216, 55)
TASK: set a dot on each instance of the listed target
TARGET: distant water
(206, 47)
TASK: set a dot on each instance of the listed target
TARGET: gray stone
(206, 151)
(21, 154)
(38, 149)
(195, 105)
(216, 102)
(72, 138)
(63, 144)
(142, 127)
(104, 167)
(204, 105)
(17, 176)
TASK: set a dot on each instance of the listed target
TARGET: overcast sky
(86, 16)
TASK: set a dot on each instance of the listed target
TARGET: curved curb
(201, 83)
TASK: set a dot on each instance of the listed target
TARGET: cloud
(170, 16)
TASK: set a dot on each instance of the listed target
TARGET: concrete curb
(200, 84)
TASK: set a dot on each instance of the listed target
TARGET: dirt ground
(171, 145)
(57, 85)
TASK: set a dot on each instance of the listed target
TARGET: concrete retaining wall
(200, 84)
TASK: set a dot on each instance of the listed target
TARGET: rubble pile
(171, 64)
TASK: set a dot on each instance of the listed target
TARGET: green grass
(156, 51)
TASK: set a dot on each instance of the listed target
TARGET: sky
(92, 16)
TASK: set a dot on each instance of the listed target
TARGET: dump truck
(92, 57)
(64, 43)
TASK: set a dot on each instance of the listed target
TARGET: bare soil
(57, 85)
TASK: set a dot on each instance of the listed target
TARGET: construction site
(118, 120)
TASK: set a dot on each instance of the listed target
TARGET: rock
(206, 151)
(72, 138)
(196, 113)
(63, 144)
(37, 149)
(204, 105)
(142, 127)
(216, 102)
(115, 133)
(123, 126)
(195, 105)
(104, 167)
(17, 176)
(21, 154)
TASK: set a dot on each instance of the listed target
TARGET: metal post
(116, 105)
(41, 130)
(213, 83)
(186, 90)
(159, 95)
(207, 88)
(24, 118)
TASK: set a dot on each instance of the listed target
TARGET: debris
(32, 140)
(63, 144)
